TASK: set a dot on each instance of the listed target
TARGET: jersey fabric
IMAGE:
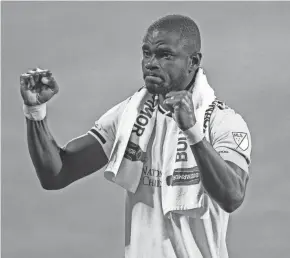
(150, 234)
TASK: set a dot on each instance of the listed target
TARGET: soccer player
(171, 59)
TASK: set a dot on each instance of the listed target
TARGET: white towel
(182, 189)
(126, 159)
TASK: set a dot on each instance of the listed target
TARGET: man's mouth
(154, 75)
(155, 79)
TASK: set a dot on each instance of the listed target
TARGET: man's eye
(166, 55)
(146, 53)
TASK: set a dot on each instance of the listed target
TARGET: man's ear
(195, 60)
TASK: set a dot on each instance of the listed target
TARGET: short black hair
(184, 25)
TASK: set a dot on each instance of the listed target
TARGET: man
(170, 64)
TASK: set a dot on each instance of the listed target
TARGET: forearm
(56, 167)
(44, 151)
(222, 182)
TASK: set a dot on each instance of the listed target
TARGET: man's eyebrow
(161, 47)
(145, 47)
(165, 48)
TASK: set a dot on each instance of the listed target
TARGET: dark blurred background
(94, 51)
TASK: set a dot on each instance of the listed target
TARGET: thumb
(51, 83)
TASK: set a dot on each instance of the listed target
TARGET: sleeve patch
(242, 140)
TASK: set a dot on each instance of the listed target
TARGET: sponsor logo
(151, 177)
(242, 140)
(184, 176)
(133, 152)
(182, 146)
(143, 118)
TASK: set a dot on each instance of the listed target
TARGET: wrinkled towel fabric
(182, 190)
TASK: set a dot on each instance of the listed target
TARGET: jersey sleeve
(104, 129)
(231, 138)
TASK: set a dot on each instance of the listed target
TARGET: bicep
(231, 139)
(81, 157)
(90, 152)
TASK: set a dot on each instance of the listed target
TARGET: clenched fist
(37, 86)
(180, 102)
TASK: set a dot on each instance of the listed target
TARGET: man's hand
(180, 103)
(37, 86)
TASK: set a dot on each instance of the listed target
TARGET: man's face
(165, 62)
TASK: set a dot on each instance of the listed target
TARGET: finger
(25, 75)
(47, 80)
(177, 102)
(51, 83)
(37, 70)
(172, 101)
(183, 93)
(173, 93)
(176, 108)
(44, 95)
(42, 71)
(31, 81)
(24, 81)
(180, 102)
(31, 71)
(36, 77)
(177, 96)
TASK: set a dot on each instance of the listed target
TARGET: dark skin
(168, 67)
(167, 64)
(166, 56)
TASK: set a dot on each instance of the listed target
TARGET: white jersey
(149, 233)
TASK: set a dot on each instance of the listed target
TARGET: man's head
(171, 54)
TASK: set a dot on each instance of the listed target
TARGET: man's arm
(58, 167)
(224, 164)
(224, 181)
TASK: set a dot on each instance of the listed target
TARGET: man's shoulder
(219, 114)
(222, 112)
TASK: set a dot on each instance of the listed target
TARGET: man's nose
(152, 63)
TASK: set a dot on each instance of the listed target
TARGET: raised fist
(37, 86)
